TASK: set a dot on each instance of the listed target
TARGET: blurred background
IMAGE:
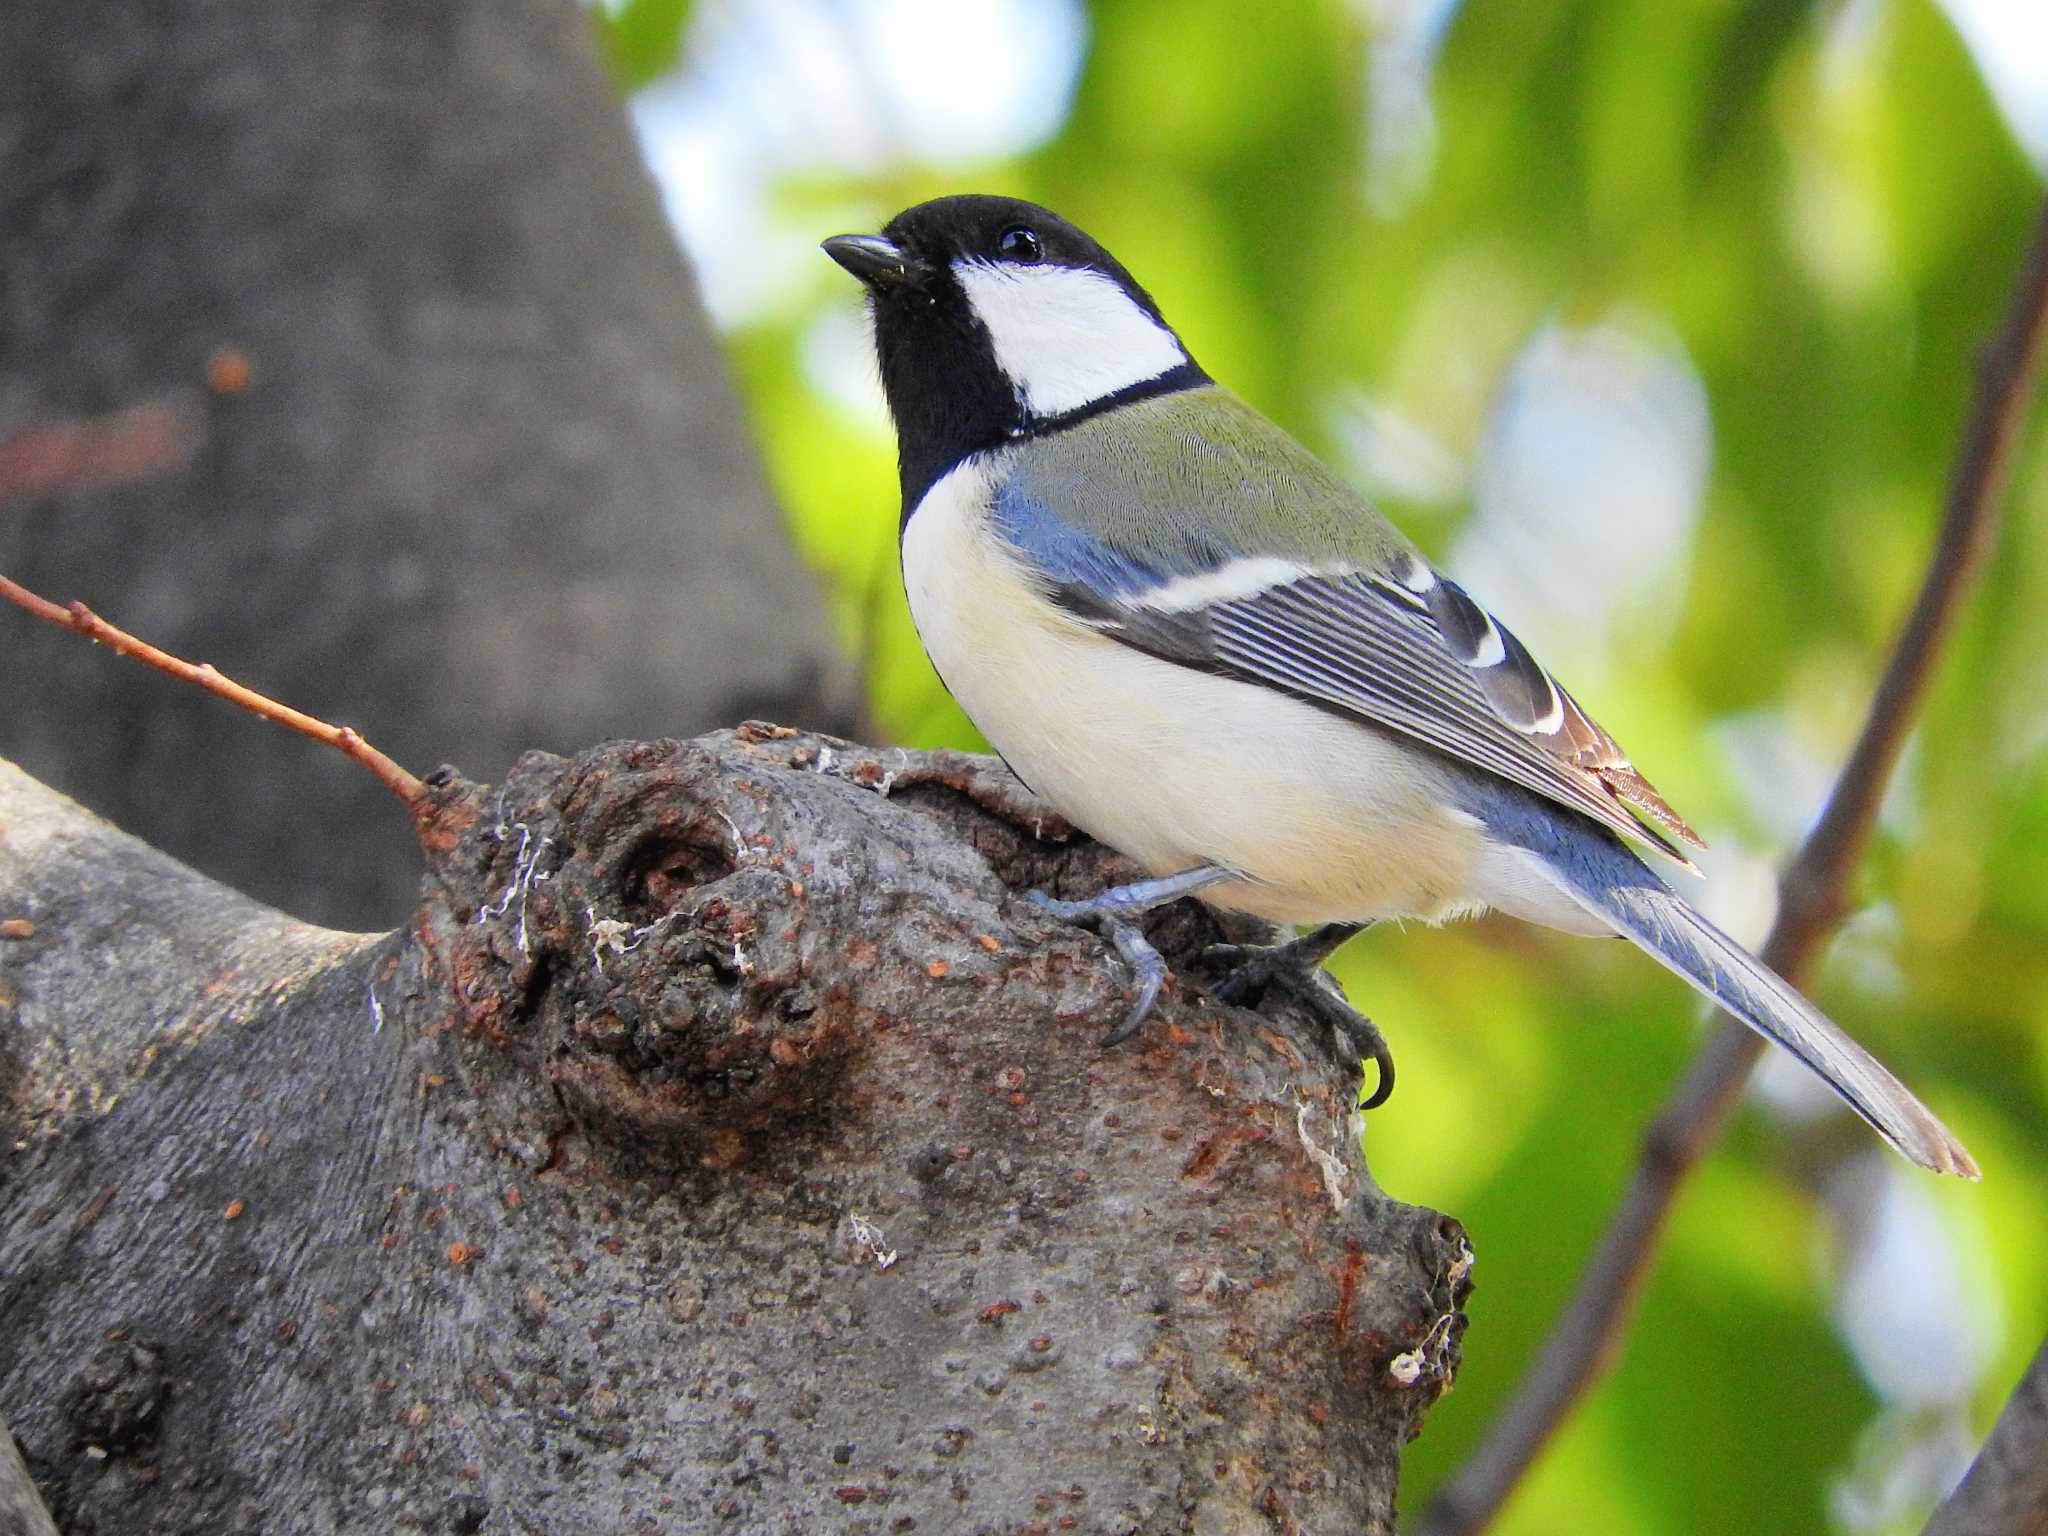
(345, 345)
(1654, 322)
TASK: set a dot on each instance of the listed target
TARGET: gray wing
(1407, 649)
(1351, 619)
(1414, 652)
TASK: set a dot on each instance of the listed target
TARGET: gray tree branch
(21, 1507)
(2005, 1492)
(722, 1144)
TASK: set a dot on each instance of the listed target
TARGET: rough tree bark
(723, 1145)
(344, 345)
(21, 1508)
(2005, 1492)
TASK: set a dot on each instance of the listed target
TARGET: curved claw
(1383, 1059)
(1297, 966)
(1148, 970)
(1107, 910)
(1360, 1035)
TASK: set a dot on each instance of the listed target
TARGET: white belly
(1326, 818)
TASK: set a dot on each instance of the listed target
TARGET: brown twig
(78, 617)
(2005, 1492)
(1811, 905)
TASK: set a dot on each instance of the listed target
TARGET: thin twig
(343, 739)
(1811, 905)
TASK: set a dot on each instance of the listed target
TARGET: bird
(1213, 654)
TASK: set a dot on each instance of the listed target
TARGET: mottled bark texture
(723, 1146)
(22, 1512)
(343, 344)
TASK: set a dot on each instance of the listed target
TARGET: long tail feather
(1661, 922)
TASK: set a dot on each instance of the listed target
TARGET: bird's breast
(1327, 817)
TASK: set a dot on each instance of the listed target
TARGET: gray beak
(878, 263)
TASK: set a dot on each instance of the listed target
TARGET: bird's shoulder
(1186, 480)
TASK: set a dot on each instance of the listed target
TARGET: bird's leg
(1138, 896)
(1298, 967)
(1109, 909)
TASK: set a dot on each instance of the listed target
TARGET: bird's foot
(1297, 966)
(1108, 911)
(1254, 967)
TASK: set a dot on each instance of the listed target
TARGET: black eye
(1017, 243)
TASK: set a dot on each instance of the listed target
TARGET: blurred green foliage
(1822, 208)
(640, 40)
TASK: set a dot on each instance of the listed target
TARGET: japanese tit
(1212, 654)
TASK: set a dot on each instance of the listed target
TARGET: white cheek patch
(1064, 336)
